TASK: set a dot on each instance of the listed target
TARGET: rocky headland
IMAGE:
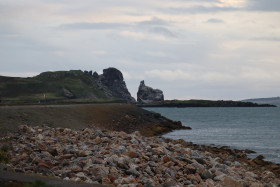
(116, 158)
(58, 87)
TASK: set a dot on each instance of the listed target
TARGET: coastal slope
(113, 116)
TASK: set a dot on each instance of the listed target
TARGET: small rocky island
(147, 94)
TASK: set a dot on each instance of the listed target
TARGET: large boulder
(147, 94)
(112, 78)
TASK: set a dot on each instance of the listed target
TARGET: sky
(190, 49)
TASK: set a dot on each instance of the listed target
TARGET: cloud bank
(216, 49)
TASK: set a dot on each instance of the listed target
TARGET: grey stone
(133, 171)
(147, 94)
(68, 93)
(112, 78)
(206, 175)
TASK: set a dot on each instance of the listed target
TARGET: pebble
(120, 159)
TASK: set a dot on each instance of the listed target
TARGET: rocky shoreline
(120, 159)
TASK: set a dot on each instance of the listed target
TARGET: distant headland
(76, 86)
(59, 87)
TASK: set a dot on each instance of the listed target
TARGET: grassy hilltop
(73, 86)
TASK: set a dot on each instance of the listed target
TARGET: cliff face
(147, 94)
(113, 80)
(66, 85)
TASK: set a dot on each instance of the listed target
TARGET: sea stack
(147, 94)
(113, 79)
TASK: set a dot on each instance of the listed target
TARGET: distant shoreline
(204, 103)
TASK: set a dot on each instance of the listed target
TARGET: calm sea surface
(257, 129)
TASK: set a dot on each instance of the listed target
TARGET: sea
(256, 128)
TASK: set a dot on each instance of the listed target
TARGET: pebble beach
(114, 158)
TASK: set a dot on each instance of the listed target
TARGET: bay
(253, 128)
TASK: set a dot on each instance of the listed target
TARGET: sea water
(257, 129)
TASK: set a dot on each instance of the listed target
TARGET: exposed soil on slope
(118, 117)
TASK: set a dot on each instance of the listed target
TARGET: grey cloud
(135, 14)
(273, 39)
(264, 5)
(198, 9)
(25, 54)
(251, 5)
(163, 31)
(156, 25)
(214, 20)
(154, 21)
(87, 25)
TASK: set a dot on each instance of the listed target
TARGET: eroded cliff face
(147, 94)
(112, 78)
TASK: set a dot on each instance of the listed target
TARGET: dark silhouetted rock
(95, 75)
(147, 94)
(112, 78)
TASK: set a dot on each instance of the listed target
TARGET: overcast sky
(190, 49)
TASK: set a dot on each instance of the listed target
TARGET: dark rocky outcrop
(112, 78)
(147, 94)
(95, 75)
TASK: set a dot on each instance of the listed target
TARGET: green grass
(14, 90)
